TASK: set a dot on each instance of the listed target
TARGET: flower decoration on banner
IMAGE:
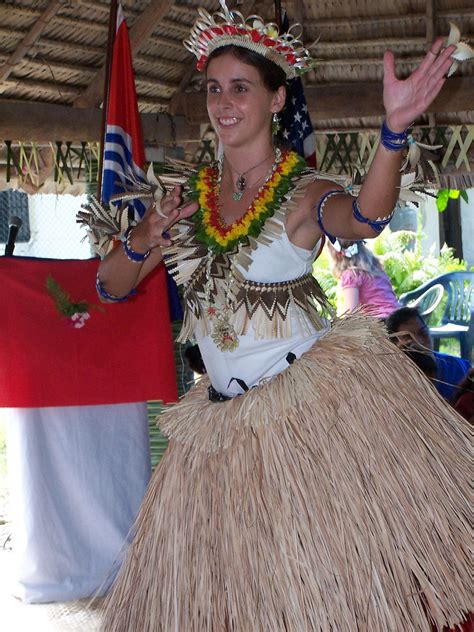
(228, 27)
(205, 189)
(78, 313)
(463, 51)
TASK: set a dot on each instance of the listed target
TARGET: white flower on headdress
(463, 51)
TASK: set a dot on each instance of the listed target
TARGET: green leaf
(465, 196)
(453, 193)
(442, 200)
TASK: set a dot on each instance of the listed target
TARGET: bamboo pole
(105, 102)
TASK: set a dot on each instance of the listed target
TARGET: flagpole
(105, 101)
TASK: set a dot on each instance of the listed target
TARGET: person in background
(423, 360)
(361, 279)
(412, 328)
(463, 399)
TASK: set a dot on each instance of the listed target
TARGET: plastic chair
(457, 319)
(427, 302)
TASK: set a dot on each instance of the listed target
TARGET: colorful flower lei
(210, 228)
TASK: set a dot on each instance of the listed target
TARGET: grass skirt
(332, 498)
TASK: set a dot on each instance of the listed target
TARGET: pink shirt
(375, 292)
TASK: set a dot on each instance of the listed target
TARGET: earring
(276, 124)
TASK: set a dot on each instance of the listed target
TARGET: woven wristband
(111, 297)
(133, 255)
(377, 225)
(393, 141)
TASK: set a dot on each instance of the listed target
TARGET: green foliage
(64, 305)
(444, 195)
(405, 264)
(322, 272)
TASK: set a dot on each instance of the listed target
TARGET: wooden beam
(384, 43)
(344, 22)
(347, 100)
(29, 40)
(48, 87)
(430, 21)
(44, 122)
(140, 31)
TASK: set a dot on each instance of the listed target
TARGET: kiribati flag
(124, 152)
(124, 149)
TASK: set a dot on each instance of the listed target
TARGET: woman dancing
(311, 482)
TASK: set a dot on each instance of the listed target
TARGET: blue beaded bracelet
(111, 297)
(320, 210)
(377, 225)
(133, 255)
(393, 141)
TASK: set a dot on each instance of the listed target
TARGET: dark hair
(272, 76)
(194, 358)
(423, 360)
(401, 316)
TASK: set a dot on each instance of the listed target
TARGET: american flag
(297, 130)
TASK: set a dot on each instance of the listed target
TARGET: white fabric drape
(77, 476)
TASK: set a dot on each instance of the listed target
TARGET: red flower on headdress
(201, 64)
(229, 29)
(256, 36)
(216, 30)
(269, 42)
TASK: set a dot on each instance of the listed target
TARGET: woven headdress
(226, 28)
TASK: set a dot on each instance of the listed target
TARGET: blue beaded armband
(111, 297)
(377, 225)
(320, 211)
(393, 141)
(133, 255)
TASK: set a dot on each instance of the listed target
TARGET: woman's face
(240, 107)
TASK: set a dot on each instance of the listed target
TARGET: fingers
(438, 59)
(389, 67)
(188, 209)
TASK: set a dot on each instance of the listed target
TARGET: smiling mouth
(229, 121)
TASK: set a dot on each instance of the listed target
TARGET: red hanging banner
(62, 347)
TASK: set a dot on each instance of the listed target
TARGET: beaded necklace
(220, 238)
(205, 189)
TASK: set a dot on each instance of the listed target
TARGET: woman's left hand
(406, 99)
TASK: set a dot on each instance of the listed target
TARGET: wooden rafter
(29, 40)
(45, 121)
(322, 23)
(140, 31)
(348, 100)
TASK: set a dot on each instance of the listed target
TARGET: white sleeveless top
(256, 359)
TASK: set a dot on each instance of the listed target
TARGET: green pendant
(237, 195)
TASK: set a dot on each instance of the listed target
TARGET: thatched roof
(53, 52)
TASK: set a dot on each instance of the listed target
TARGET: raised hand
(406, 99)
(149, 233)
